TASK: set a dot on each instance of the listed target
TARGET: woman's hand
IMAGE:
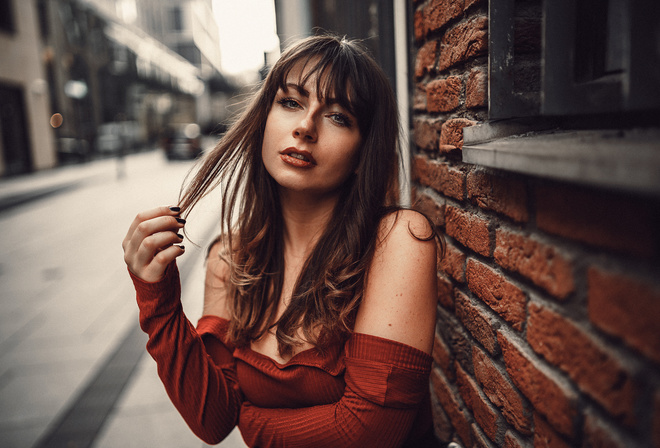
(150, 244)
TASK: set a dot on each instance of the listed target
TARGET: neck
(305, 219)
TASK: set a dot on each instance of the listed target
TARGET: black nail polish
(180, 236)
(175, 209)
(180, 220)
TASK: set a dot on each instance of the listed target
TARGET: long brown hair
(329, 288)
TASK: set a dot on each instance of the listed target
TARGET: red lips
(298, 158)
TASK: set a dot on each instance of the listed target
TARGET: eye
(288, 103)
(341, 119)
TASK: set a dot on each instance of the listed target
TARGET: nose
(306, 128)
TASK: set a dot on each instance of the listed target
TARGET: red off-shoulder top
(368, 392)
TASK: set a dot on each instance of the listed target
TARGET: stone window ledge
(626, 160)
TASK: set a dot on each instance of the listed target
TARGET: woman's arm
(387, 360)
(400, 297)
(201, 383)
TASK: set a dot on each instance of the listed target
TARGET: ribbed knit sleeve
(201, 383)
(386, 382)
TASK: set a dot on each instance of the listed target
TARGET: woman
(320, 300)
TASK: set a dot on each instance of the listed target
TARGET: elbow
(212, 429)
(210, 436)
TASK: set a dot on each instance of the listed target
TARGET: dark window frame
(7, 18)
(594, 124)
(636, 87)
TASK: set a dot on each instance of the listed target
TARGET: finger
(155, 270)
(151, 227)
(154, 244)
(147, 215)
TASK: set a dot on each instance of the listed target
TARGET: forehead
(314, 77)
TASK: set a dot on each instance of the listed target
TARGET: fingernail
(182, 247)
(180, 220)
(180, 236)
(175, 209)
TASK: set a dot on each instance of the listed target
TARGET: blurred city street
(73, 367)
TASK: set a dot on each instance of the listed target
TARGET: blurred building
(116, 71)
(189, 28)
(186, 27)
(26, 138)
(114, 84)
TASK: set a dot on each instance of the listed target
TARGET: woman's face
(310, 146)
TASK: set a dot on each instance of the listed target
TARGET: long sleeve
(199, 379)
(386, 384)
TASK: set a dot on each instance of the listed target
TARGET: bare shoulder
(217, 279)
(402, 225)
(400, 292)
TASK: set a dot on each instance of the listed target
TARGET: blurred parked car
(114, 137)
(182, 141)
(72, 150)
(109, 139)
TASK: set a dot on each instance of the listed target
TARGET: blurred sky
(247, 30)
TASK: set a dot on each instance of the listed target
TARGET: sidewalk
(21, 189)
(72, 358)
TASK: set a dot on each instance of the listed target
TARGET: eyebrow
(301, 90)
(304, 92)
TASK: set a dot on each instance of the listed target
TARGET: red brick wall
(548, 328)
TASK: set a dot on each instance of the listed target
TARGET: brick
(441, 424)
(626, 307)
(468, 229)
(594, 370)
(477, 322)
(464, 42)
(440, 176)
(550, 396)
(503, 195)
(602, 219)
(470, 3)
(426, 133)
(425, 60)
(451, 133)
(545, 436)
(431, 208)
(443, 357)
(511, 440)
(454, 409)
(457, 340)
(453, 263)
(476, 89)
(446, 149)
(499, 390)
(484, 413)
(599, 434)
(541, 263)
(439, 12)
(444, 95)
(419, 27)
(419, 98)
(480, 440)
(497, 292)
(445, 293)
